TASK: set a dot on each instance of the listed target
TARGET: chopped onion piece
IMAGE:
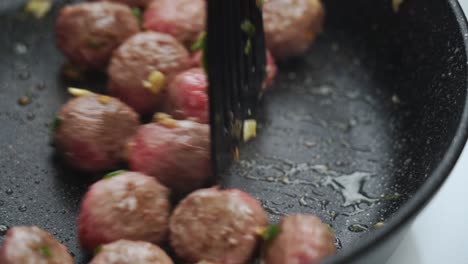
(78, 91)
(250, 129)
(38, 8)
(155, 82)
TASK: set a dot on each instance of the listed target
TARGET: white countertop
(440, 233)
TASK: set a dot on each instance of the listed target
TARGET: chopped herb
(97, 250)
(248, 28)
(270, 232)
(200, 43)
(137, 13)
(38, 8)
(95, 44)
(113, 174)
(45, 251)
(248, 47)
(56, 123)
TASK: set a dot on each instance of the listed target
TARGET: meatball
(32, 245)
(141, 68)
(177, 153)
(218, 226)
(129, 252)
(136, 3)
(91, 131)
(88, 33)
(183, 19)
(303, 239)
(187, 96)
(291, 26)
(129, 205)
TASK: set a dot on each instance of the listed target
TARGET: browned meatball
(217, 226)
(129, 205)
(303, 239)
(183, 19)
(92, 131)
(28, 245)
(88, 33)
(137, 3)
(131, 252)
(291, 26)
(135, 63)
(177, 153)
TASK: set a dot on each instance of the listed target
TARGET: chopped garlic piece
(103, 99)
(165, 120)
(236, 154)
(396, 5)
(250, 129)
(38, 8)
(78, 91)
(155, 82)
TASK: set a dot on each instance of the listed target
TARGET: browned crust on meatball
(216, 226)
(127, 206)
(32, 245)
(130, 252)
(93, 131)
(88, 33)
(291, 26)
(136, 59)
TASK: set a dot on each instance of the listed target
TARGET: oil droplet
(24, 100)
(3, 230)
(358, 228)
(37, 181)
(24, 75)
(337, 243)
(22, 208)
(20, 48)
(40, 86)
(9, 191)
(30, 116)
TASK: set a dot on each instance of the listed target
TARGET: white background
(440, 233)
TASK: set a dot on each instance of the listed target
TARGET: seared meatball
(177, 153)
(129, 205)
(32, 245)
(291, 26)
(141, 68)
(92, 130)
(136, 3)
(130, 252)
(88, 33)
(218, 226)
(183, 19)
(303, 239)
(187, 96)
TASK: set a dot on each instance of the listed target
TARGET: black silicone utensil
(235, 62)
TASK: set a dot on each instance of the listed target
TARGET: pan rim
(431, 186)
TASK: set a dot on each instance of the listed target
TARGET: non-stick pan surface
(369, 121)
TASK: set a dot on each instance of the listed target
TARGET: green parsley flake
(248, 28)
(270, 232)
(137, 13)
(56, 124)
(248, 47)
(97, 250)
(200, 43)
(95, 44)
(45, 251)
(113, 174)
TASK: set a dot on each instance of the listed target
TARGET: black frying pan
(363, 129)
